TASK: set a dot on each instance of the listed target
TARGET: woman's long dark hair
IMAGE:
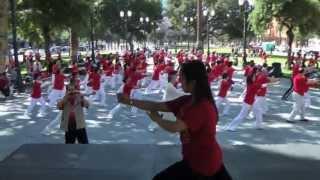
(196, 71)
(250, 78)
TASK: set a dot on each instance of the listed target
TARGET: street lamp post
(144, 22)
(125, 17)
(188, 21)
(247, 5)
(93, 13)
(206, 13)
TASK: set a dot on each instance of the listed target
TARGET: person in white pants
(225, 85)
(155, 82)
(116, 75)
(97, 88)
(36, 98)
(134, 93)
(58, 89)
(300, 85)
(248, 104)
(171, 93)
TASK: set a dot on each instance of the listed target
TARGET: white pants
(34, 102)
(54, 96)
(163, 81)
(298, 106)
(116, 79)
(99, 94)
(106, 80)
(154, 84)
(259, 109)
(135, 93)
(307, 100)
(243, 114)
(220, 101)
(53, 125)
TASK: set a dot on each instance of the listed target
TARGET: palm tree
(3, 33)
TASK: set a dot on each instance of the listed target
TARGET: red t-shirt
(3, 82)
(295, 70)
(157, 71)
(262, 79)
(299, 84)
(36, 90)
(251, 93)
(247, 70)
(55, 69)
(133, 79)
(224, 87)
(107, 69)
(199, 146)
(59, 81)
(74, 69)
(95, 81)
(230, 71)
(127, 89)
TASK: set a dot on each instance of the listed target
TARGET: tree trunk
(47, 39)
(199, 25)
(74, 44)
(3, 33)
(290, 36)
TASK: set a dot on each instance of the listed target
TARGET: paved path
(126, 128)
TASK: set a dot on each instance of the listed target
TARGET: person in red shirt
(216, 71)
(97, 87)
(248, 102)
(116, 74)
(155, 82)
(295, 70)
(225, 86)
(36, 97)
(58, 88)
(4, 84)
(74, 68)
(300, 85)
(107, 75)
(129, 89)
(196, 120)
(260, 99)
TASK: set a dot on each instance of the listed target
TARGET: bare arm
(143, 104)
(172, 127)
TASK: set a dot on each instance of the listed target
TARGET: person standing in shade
(72, 118)
(300, 84)
(196, 120)
(225, 86)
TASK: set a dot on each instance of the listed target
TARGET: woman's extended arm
(143, 104)
(173, 127)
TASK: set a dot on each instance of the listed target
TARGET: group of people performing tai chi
(187, 106)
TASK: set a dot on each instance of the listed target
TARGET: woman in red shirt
(196, 120)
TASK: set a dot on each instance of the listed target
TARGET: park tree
(76, 20)
(299, 16)
(3, 33)
(130, 28)
(37, 20)
(226, 25)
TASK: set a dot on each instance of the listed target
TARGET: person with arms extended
(196, 120)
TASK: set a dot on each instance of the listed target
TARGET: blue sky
(164, 2)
